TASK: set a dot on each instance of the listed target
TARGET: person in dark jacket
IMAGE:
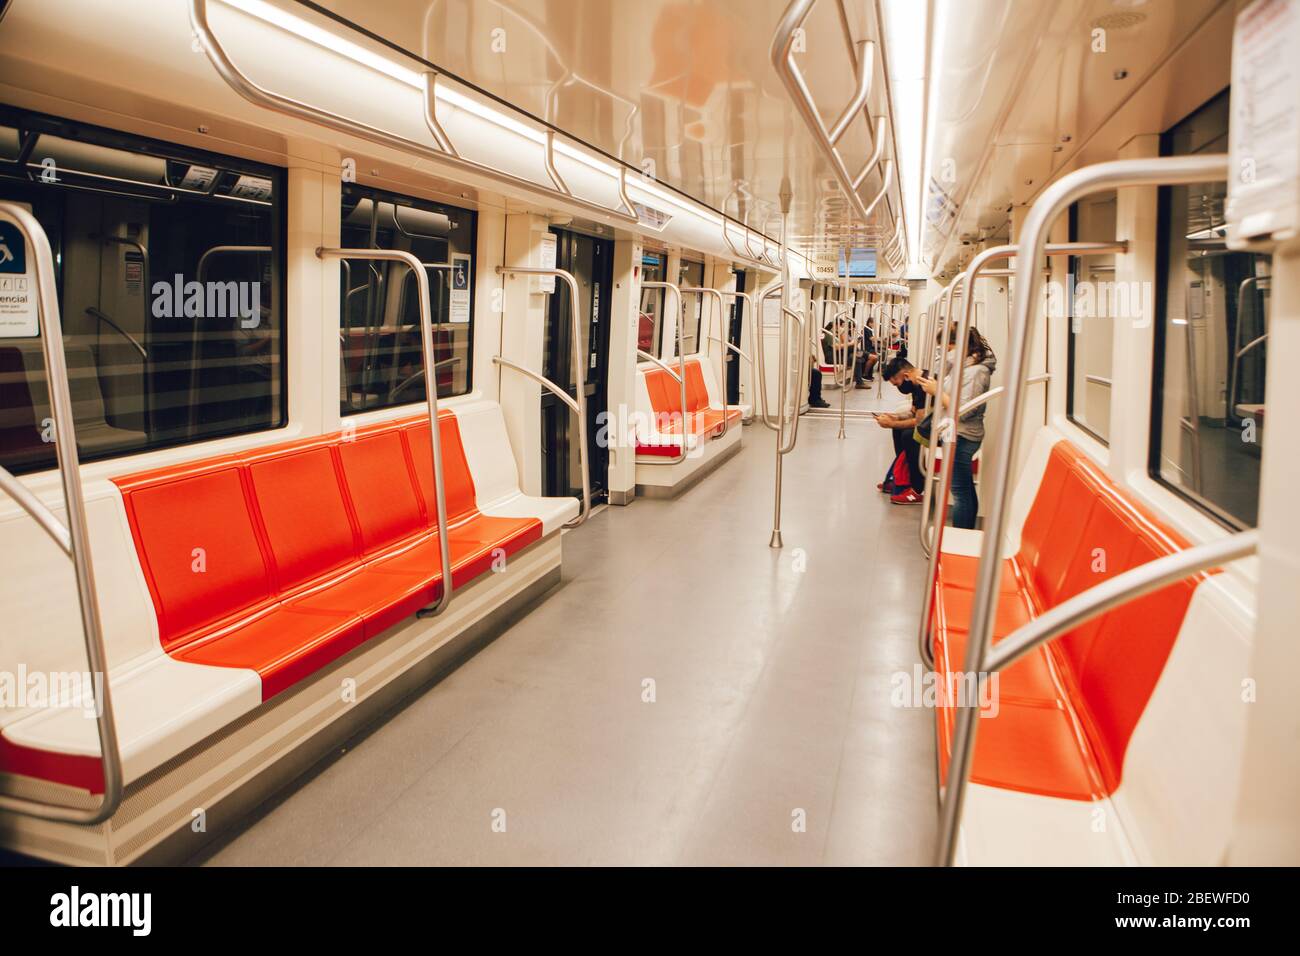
(905, 377)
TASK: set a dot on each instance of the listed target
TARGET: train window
(1211, 335)
(1094, 302)
(379, 308)
(691, 275)
(169, 267)
(650, 321)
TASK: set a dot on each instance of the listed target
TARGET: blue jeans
(965, 502)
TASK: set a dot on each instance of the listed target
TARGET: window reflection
(1211, 341)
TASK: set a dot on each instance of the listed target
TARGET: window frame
(379, 194)
(1159, 342)
(31, 121)
(1071, 337)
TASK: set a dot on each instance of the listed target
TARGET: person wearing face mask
(980, 363)
(905, 377)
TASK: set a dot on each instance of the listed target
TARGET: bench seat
(264, 567)
(1066, 711)
(661, 432)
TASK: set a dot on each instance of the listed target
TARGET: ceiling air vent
(1123, 20)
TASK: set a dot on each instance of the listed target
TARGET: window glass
(1095, 303)
(1211, 340)
(379, 311)
(650, 321)
(691, 275)
(169, 268)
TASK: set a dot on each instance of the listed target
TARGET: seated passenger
(866, 361)
(980, 364)
(909, 380)
(815, 399)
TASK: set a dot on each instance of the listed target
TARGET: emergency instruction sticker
(18, 310)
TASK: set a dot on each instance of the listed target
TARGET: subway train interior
(649, 433)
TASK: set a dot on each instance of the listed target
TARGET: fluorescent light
(272, 14)
(905, 28)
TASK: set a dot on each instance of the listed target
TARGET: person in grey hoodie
(980, 365)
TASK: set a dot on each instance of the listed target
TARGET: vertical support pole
(776, 541)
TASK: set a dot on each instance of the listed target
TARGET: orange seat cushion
(1066, 711)
(283, 559)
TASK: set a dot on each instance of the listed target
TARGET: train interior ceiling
(444, 432)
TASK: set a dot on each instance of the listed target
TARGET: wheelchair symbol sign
(13, 250)
(459, 294)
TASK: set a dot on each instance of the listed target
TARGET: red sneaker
(906, 497)
(887, 487)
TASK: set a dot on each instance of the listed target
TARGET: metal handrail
(785, 445)
(1042, 215)
(642, 354)
(748, 256)
(104, 317)
(782, 55)
(1055, 622)
(1234, 376)
(757, 374)
(410, 380)
(200, 270)
(73, 538)
(147, 399)
(931, 504)
(703, 291)
(761, 350)
(431, 396)
(936, 498)
(578, 406)
(680, 376)
(445, 153)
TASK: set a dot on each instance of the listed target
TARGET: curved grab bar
(444, 155)
(1051, 624)
(680, 376)
(431, 397)
(200, 272)
(757, 374)
(1042, 215)
(782, 56)
(1234, 371)
(579, 406)
(73, 539)
(802, 365)
(761, 349)
(100, 316)
(660, 362)
(410, 380)
(703, 291)
(542, 380)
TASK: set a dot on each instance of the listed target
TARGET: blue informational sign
(13, 250)
(460, 274)
(861, 264)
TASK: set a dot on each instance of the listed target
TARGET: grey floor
(771, 681)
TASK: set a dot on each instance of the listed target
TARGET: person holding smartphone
(908, 379)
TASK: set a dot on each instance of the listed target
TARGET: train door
(592, 262)
(734, 329)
